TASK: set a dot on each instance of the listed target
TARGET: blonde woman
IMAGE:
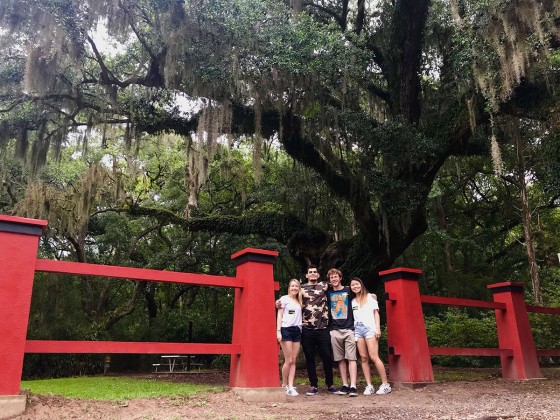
(288, 333)
(367, 331)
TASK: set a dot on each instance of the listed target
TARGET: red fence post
(254, 326)
(19, 238)
(514, 332)
(409, 354)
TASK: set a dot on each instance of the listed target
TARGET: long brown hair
(361, 297)
(299, 297)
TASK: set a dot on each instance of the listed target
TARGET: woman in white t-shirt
(367, 331)
(288, 333)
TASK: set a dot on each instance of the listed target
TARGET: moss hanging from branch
(515, 33)
(68, 208)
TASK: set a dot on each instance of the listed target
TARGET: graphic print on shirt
(339, 302)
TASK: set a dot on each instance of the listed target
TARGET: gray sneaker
(369, 390)
(291, 392)
(383, 389)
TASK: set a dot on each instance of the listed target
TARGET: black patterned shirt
(315, 310)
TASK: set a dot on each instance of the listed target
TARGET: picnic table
(176, 362)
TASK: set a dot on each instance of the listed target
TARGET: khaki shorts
(343, 345)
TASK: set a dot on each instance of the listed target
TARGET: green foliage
(455, 329)
(550, 168)
(221, 362)
(60, 365)
(546, 327)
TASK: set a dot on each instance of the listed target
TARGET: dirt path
(486, 399)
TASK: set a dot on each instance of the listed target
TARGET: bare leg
(343, 368)
(287, 350)
(353, 370)
(292, 374)
(362, 349)
(373, 351)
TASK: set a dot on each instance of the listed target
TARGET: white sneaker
(291, 392)
(369, 390)
(384, 389)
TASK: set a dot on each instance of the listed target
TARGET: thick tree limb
(346, 186)
(301, 239)
(408, 23)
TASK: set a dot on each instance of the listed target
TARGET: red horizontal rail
(442, 300)
(543, 309)
(129, 347)
(85, 269)
(469, 351)
(548, 352)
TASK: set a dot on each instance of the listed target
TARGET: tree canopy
(370, 99)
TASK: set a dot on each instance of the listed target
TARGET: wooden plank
(543, 309)
(469, 351)
(548, 352)
(128, 347)
(86, 269)
(442, 300)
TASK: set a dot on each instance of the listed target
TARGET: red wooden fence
(409, 353)
(253, 350)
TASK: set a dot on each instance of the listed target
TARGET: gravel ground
(490, 398)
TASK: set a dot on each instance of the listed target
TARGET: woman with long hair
(367, 330)
(288, 333)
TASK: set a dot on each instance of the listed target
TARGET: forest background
(169, 134)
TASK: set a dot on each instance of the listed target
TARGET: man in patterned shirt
(315, 332)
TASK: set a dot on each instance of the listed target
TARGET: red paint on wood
(548, 352)
(514, 332)
(18, 252)
(406, 330)
(400, 270)
(254, 322)
(442, 300)
(505, 284)
(543, 309)
(254, 251)
(84, 269)
(24, 221)
(128, 347)
(469, 351)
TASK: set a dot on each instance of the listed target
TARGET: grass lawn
(113, 388)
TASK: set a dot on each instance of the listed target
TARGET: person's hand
(377, 335)
(278, 336)
(278, 304)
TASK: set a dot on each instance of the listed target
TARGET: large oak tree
(373, 96)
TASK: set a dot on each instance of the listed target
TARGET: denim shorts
(361, 331)
(291, 333)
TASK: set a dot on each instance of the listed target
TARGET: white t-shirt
(291, 317)
(364, 314)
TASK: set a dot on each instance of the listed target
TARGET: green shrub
(455, 329)
(221, 362)
(61, 365)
